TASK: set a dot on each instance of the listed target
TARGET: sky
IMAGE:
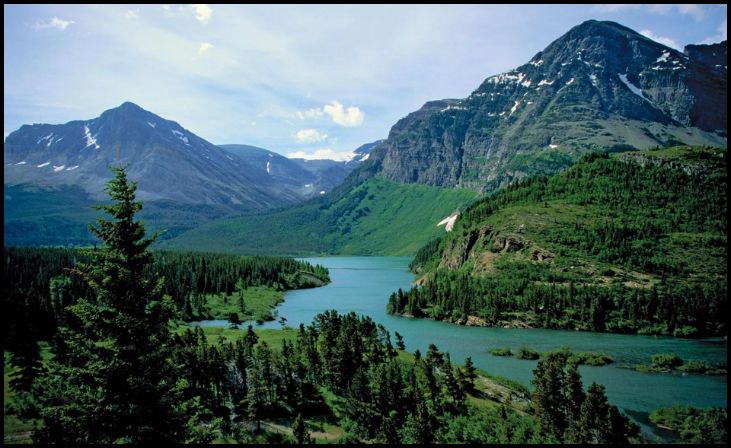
(311, 81)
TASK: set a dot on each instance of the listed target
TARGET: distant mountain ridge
(169, 162)
(600, 86)
(54, 173)
(305, 177)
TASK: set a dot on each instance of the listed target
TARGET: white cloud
(349, 117)
(663, 40)
(697, 11)
(310, 113)
(205, 46)
(202, 12)
(616, 7)
(54, 23)
(130, 14)
(310, 136)
(323, 153)
(720, 37)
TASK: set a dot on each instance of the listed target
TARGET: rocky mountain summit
(600, 86)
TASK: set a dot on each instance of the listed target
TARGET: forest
(41, 282)
(119, 372)
(631, 244)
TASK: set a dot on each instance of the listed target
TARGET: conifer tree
(549, 400)
(574, 399)
(25, 357)
(115, 383)
(400, 342)
(469, 372)
(234, 320)
(594, 422)
(299, 431)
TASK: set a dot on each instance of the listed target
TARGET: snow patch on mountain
(633, 88)
(449, 221)
(181, 136)
(90, 139)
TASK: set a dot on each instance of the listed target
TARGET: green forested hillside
(376, 217)
(635, 242)
(35, 216)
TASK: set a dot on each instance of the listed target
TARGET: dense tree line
(40, 282)
(633, 209)
(693, 425)
(668, 308)
(568, 414)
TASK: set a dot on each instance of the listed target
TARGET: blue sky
(313, 81)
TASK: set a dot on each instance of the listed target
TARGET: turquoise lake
(363, 284)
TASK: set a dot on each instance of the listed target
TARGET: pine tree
(116, 383)
(255, 397)
(470, 372)
(594, 422)
(234, 320)
(549, 400)
(400, 342)
(575, 397)
(299, 431)
(240, 287)
(25, 357)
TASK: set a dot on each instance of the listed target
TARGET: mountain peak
(603, 28)
(128, 112)
(128, 105)
(599, 86)
(127, 108)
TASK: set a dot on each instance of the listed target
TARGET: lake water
(363, 284)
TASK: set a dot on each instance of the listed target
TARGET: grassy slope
(698, 254)
(377, 217)
(36, 216)
(259, 301)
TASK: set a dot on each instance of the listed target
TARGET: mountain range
(600, 87)
(54, 173)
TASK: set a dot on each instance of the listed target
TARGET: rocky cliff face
(600, 86)
(714, 56)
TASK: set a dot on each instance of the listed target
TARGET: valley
(541, 261)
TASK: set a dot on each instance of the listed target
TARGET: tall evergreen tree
(299, 431)
(594, 421)
(574, 399)
(470, 372)
(234, 320)
(400, 341)
(115, 383)
(549, 400)
(255, 397)
(25, 357)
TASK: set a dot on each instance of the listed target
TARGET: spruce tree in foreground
(116, 382)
